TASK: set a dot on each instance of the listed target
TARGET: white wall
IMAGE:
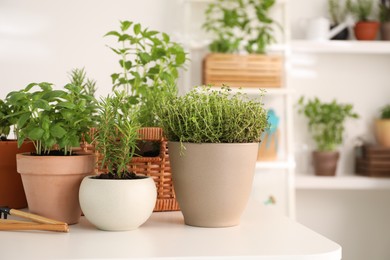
(42, 40)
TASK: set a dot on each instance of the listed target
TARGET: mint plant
(326, 121)
(204, 115)
(240, 24)
(54, 119)
(150, 64)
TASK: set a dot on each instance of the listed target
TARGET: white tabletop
(261, 235)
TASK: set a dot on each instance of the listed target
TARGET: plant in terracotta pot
(326, 124)
(384, 18)
(55, 121)
(241, 31)
(366, 28)
(117, 199)
(338, 11)
(213, 139)
(382, 127)
(11, 188)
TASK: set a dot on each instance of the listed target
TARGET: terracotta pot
(52, 184)
(325, 163)
(382, 132)
(366, 30)
(213, 182)
(117, 205)
(11, 187)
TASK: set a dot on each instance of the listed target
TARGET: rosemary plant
(117, 133)
(204, 115)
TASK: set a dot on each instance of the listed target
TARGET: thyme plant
(240, 24)
(361, 9)
(150, 64)
(54, 119)
(326, 121)
(117, 133)
(204, 115)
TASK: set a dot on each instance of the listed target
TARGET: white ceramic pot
(213, 182)
(117, 205)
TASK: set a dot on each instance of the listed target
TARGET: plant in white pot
(116, 199)
(326, 122)
(55, 121)
(382, 127)
(213, 142)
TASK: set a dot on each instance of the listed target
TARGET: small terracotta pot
(366, 31)
(325, 163)
(11, 188)
(213, 182)
(52, 184)
(382, 132)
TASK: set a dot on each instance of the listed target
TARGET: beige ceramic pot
(213, 182)
(382, 132)
(52, 184)
(325, 163)
(11, 187)
(117, 205)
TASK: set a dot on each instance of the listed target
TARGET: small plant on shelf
(5, 122)
(337, 10)
(240, 24)
(366, 27)
(326, 121)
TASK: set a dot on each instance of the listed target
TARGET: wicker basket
(156, 167)
(234, 70)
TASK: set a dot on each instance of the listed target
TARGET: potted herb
(382, 127)
(365, 28)
(55, 121)
(384, 18)
(241, 31)
(326, 125)
(338, 11)
(213, 140)
(11, 187)
(117, 199)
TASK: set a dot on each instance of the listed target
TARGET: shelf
(351, 182)
(346, 47)
(275, 165)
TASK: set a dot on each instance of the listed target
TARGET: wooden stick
(33, 217)
(34, 226)
(12, 221)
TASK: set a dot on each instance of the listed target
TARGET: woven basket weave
(156, 167)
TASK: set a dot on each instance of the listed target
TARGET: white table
(261, 235)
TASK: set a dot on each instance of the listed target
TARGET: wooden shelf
(348, 182)
(346, 47)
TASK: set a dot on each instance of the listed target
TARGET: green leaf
(180, 58)
(165, 37)
(125, 25)
(23, 119)
(66, 105)
(112, 33)
(57, 131)
(42, 104)
(137, 29)
(36, 133)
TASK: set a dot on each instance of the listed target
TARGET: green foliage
(204, 115)
(51, 117)
(233, 22)
(149, 63)
(384, 11)
(338, 10)
(117, 132)
(5, 123)
(385, 112)
(361, 9)
(326, 121)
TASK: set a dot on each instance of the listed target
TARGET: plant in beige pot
(366, 28)
(382, 127)
(326, 125)
(240, 32)
(55, 121)
(117, 199)
(213, 142)
(11, 187)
